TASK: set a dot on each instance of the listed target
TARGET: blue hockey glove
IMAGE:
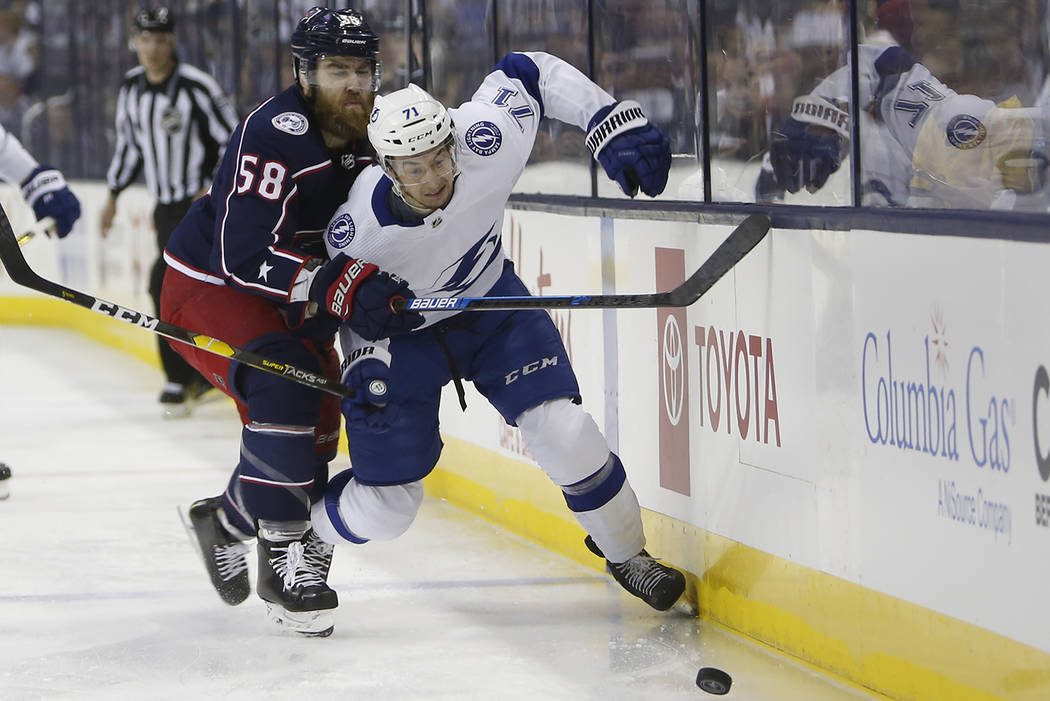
(45, 190)
(370, 409)
(806, 148)
(767, 189)
(361, 294)
(632, 150)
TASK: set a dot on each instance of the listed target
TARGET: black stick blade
(745, 236)
(737, 245)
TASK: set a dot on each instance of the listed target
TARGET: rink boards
(846, 440)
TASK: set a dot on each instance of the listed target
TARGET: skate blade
(177, 411)
(310, 624)
(191, 532)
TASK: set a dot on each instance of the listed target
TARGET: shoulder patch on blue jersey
(965, 132)
(291, 122)
(484, 138)
(341, 231)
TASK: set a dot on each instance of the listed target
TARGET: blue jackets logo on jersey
(484, 138)
(291, 122)
(341, 231)
(965, 132)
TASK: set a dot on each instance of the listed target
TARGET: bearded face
(341, 89)
(343, 113)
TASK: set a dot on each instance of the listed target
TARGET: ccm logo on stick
(118, 312)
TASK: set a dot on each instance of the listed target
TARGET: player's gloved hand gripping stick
(43, 227)
(19, 270)
(737, 245)
(745, 237)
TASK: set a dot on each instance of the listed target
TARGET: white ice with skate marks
(102, 596)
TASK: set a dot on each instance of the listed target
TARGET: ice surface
(102, 596)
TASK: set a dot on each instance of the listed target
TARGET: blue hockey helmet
(325, 32)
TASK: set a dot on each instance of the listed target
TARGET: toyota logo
(673, 371)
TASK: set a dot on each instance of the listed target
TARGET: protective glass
(437, 163)
(344, 73)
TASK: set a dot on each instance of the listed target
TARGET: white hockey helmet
(409, 122)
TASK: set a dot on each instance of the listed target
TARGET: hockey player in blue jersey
(248, 264)
(433, 213)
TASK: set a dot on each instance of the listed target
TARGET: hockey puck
(713, 681)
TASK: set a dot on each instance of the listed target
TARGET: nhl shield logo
(291, 123)
(341, 231)
(348, 161)
(171, 121)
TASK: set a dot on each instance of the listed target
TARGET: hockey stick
(19, 270)
(45, 226)
(737, 245)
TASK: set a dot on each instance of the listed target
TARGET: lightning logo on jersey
(341, 231)
(484, 138)
(461, 275)
(965, 132)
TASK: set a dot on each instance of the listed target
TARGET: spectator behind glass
(17, 62)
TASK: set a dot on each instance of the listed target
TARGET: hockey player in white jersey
(43, 187)
(923, 144)
(432, 212)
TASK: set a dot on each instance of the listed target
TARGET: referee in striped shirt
(172, 123)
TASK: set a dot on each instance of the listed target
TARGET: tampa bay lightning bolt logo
(341, 231)
(965, 132)
(465, 271)
(484, 138)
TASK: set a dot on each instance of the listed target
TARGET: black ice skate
(655, 584)
(318, 554)
(293, 567)
(177, 401)
(174, 401)
(225, 555)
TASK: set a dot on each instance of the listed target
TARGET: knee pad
(564, 440)
(356, 513)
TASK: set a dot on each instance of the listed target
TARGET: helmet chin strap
(309, 96)
(417, 208)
